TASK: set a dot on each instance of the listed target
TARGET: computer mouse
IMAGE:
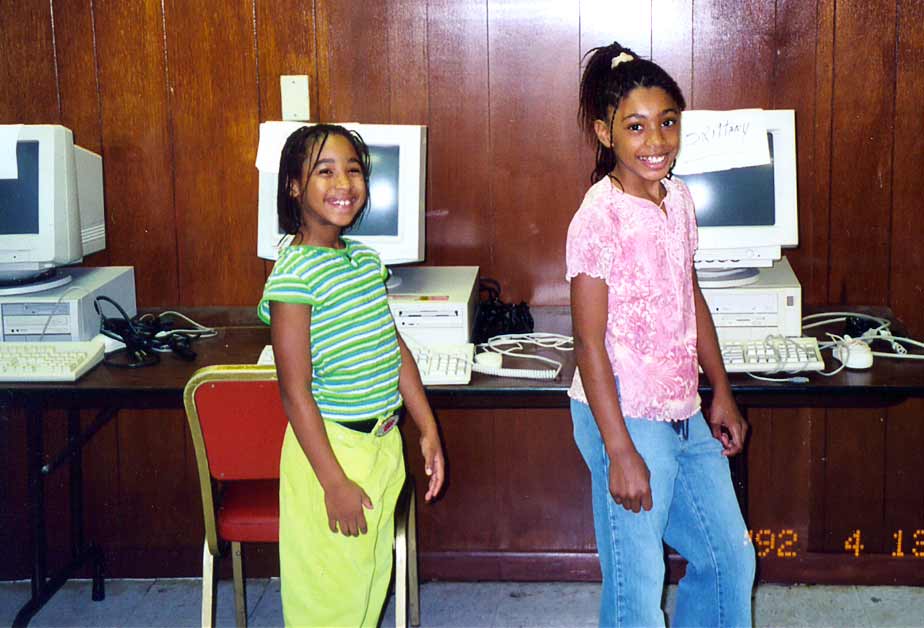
(855, 354)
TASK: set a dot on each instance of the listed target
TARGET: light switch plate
(295, 99)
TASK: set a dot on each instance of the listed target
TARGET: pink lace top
(646, 259)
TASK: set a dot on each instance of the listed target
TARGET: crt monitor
(51, 206)
(746, 215)
(394, 222)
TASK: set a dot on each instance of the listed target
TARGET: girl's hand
(434, 464)
(727, 424)
(345, 502)
(629, 481)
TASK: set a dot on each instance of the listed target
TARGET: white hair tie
(622, 56)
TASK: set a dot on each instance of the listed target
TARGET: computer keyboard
(775, 353)
(48, 361)
(444, 364)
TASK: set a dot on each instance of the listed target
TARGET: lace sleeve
(591, 244)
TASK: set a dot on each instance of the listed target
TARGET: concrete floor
(175, 603)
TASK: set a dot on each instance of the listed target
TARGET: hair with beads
(306, 143)
(610, 73)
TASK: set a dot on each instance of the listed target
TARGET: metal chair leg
(412, 579)
(209, 587)
(401, 560)
(240, 584)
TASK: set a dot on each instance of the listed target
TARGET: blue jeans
(695, 512)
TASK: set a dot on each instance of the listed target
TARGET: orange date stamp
(784, 543)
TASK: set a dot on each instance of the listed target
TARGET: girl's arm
(343, 498)
(415, 400)
(724, 411)
(629, 476)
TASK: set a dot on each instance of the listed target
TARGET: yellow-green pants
(329, 579)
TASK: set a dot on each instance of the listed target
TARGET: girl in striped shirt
(344, 373)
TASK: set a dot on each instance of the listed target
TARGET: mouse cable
(795, 379)
(834, 342)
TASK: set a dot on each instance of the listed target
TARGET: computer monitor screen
(393, 223)
(745, 216)
(50, 205)
(381, 217)
(19, 197)
(734, 198)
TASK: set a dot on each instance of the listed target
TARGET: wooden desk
(517, 504)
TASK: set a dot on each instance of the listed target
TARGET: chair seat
(249, 511)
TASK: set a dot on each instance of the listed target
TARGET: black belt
(365, 426)
(682, 428)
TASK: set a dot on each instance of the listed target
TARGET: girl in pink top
(641, 327)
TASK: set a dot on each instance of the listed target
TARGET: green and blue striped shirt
(354, 346)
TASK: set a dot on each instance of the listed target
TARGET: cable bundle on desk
(864, 328)
(489, 360)
(494, 317)
(148, 335)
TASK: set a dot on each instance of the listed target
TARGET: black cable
(495, 318)
(144, 337)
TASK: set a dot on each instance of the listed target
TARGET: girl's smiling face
(332, 194)
(645, 139)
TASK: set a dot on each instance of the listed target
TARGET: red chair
(237, 423)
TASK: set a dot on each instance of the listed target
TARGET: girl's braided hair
(610, 73)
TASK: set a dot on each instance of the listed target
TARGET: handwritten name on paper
(711, 133)
(722, 140)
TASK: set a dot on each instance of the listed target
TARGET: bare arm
(290, 334)
(724, 411)
(629, 476)
(415, 400)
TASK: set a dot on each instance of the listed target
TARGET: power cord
(147, 336)
(900, 351)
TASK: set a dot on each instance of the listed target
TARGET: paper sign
(721, 140)
(9, 135)
(273, 136)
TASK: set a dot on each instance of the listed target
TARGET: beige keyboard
(772, 354)
(48, 361)
(445, 364)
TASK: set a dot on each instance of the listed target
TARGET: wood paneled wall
(171, 93)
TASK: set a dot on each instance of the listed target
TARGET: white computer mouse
(855, 354)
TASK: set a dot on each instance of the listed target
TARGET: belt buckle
(386, 426)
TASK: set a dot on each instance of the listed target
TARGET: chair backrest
(237, 424)
(236, 421)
